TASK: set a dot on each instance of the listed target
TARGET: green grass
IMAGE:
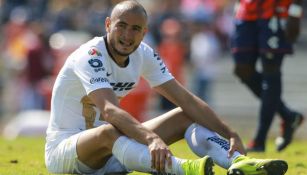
(25, 156)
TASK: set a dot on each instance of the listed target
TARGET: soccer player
(264, 30)
(89, 133)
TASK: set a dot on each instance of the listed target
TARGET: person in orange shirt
(173, 51)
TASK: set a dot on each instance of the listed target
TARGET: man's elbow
(111, 115)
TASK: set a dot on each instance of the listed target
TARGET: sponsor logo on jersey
(108, 74)
(98, 80)
(223, 143)
(94, 52)
(121, 86)
(96, 64)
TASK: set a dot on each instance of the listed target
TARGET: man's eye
(137, 29)
(121, 25)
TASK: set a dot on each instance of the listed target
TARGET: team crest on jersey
(96, 64)
(94, 52)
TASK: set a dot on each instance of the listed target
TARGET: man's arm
(199, 111)
(295, 12)
(106, 101)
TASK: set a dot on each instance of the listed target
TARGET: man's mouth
(125, 43)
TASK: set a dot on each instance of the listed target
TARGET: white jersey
(89, 68)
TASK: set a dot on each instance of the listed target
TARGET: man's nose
(129, 33)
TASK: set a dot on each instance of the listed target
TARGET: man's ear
(107, 24)
(145, 31)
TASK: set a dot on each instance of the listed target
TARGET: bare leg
(95, 145)
(170, 126)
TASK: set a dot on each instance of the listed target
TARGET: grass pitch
(25, 156)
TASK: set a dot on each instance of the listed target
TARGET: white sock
(205, 142)
(136, 156)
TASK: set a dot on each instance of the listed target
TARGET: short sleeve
(154, 70)
(90, 68)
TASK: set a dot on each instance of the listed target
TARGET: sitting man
(89, 133)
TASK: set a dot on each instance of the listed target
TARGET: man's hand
(160, 155)
(235, 145)
(292, 29)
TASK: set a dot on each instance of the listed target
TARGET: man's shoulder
(92, 48)
(96, 43)
(145, 50)
(144, 47)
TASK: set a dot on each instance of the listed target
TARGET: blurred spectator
(35, 8)
(172, 50)
(7, 7)
(204, 52)
(203, 7)
(26, 61)
(161, 11)
(39, 65)
(220, 12)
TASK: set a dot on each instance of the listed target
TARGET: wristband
(295, 10)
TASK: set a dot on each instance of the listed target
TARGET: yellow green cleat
(250, 166)
(203, 166)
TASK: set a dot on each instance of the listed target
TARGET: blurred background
(192, 36)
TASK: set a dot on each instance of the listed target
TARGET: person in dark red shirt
(265, 31)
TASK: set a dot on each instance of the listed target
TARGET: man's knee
(107, 135)
(95, 145)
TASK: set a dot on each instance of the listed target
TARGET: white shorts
(63, 158)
